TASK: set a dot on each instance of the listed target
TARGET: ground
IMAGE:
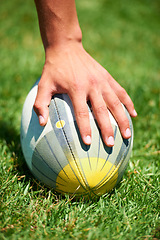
(124, 36)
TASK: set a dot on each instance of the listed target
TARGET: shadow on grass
(10, 139)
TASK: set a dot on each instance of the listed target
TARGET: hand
(70, 69)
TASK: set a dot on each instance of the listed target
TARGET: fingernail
(110, 141)
(134, 113)
(128, 133)
(87, 140)
(41, 120)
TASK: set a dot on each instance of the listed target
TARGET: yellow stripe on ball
(94, 176)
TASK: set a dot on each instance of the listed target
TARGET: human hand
(70, 69)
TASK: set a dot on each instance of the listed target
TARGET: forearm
(70, 69)
(58, 22)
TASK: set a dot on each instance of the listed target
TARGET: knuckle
(101, 109)
(116, 103)
(93, 81)
(123, 92)
(77, 87)
(37, 106)
(82, 113)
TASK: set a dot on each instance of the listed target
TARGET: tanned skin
(70, 69)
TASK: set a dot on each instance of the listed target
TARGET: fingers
(100, 102)
(104, 93)
(42, 102)
(126, 100)
(115, 107)
(123, 96)
(102, 116)
(82, 117)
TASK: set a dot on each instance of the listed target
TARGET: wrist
(59, 38)
(64, 48)
(58, 22)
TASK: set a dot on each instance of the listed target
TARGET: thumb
(41, 104)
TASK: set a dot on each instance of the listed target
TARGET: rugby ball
(57, 156)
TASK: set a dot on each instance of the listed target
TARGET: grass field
(124, 36)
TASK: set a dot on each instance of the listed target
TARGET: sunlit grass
(124, 36)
